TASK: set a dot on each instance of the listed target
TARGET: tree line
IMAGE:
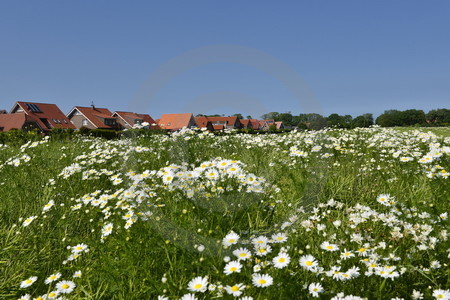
(390, 118)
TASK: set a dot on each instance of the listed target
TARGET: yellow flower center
(65, 286)
(198, 286)
(281, 260)
(262, 281)
(309, 263)
(329, 247)
(232, 269)
(235, 288)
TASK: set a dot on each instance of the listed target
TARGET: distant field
(442, 131)
(332, 214)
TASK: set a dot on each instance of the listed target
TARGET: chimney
(92, 105)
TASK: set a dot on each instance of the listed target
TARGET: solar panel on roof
(33, 107)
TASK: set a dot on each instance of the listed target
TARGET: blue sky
(346, 57)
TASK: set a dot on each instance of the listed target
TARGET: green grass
(158, 253)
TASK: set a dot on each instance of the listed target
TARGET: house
(92, 118)
(174, 122)
(18, 121)
(226, 122)
(46, 116)
(250, 124)
(280, 125)
(204, 122)
(263, 125)
(130, 119)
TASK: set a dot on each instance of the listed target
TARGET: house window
(138, 121)
(84, 122)
(110, 122)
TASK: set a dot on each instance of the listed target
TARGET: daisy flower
(308, 262)
(28, 221)
(262, 280)
(232, 267)
(329, 247)
(384, 199)
(52, 278)
(441, 294)
(242, 254)
(77, 274)
(65, 286)
(188, 297)
(28, 282)
(281, 261)
(53, 295)
(25, 297)
(235, 290)
(48, 205)
(315, 289)
(279, 238)
(260, 240)
(198, 284)
(230, 239)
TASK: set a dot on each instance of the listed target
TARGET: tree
(390, 118)
(439, 116)
(413, 117)
(364, 120)
(239, 116)
(248, 117)
(270, 116)
(286, 118)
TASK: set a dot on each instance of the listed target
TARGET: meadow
(330, 214)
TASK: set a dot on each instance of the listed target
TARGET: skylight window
(33, 107)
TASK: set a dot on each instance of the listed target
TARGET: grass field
(332, 214)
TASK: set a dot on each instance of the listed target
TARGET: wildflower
(262, 249)
(25, 297)
(347, 254)
(279, 238)
(52, 278)
(246, 298)
(242, 254)
(329, 247)
(232, 267)
(28, 282)
(281, 261)
(107, 229)
(188, 297)
(262, 280)
(315, 289)
(53, 295)
(77, 274)
(260, 240)
(230, 239)
(79, 248)
(417, 295)
(198, 284)
(235, 290)
(48, 205)
(65, 286)
(441, 294)
(384, 199)
(28, 221)
(308, 262)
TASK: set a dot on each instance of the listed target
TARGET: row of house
(45, 117)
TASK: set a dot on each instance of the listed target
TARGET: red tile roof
(176, 121)
(55, 118)
(201, 122)
(95, 115)
(130, 117)
(15, 121)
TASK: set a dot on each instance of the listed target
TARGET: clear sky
(346, 57)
